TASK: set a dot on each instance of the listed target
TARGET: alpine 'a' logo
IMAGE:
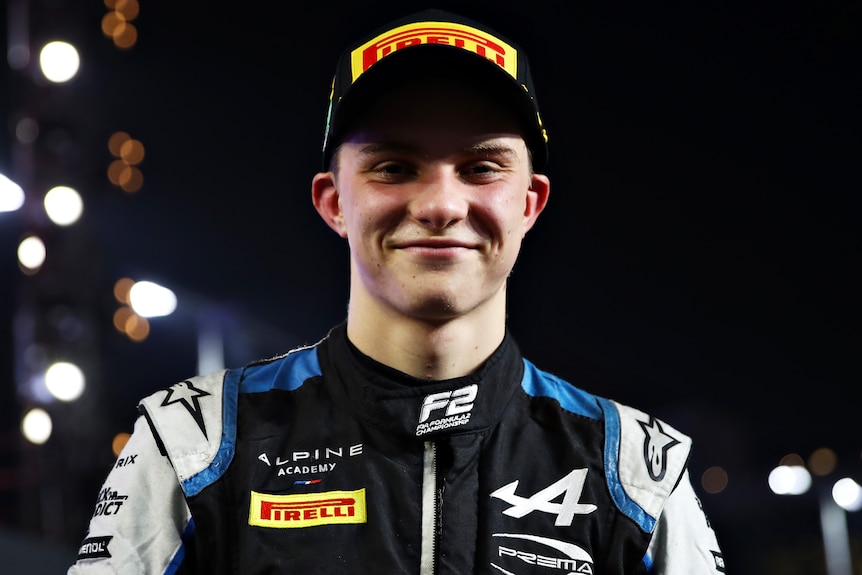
(570, 487)
(457, 406)
(656, 444)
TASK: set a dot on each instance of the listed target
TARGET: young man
(414, 438)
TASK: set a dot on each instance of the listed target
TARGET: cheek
(370, 215)
(507, 212)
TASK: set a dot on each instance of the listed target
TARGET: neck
(428, 350)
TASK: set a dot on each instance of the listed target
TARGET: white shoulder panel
(188, 419)
(652, 458)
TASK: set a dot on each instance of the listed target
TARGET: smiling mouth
(436, 251)
(433, 243)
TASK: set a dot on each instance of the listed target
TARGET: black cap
(434, 42)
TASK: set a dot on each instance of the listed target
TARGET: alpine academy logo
(455, 406)
(307, 510)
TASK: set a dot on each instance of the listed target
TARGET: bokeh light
(65, 381)
(119, 442)
(59, 61)
(789, 480)
(63, 205)
(36, 426)
(31, 253)
(822, 461)
(11, 195)
(149, 299)
(847, 494)
(714, 480)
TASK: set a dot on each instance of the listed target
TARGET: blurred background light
(123, 171)
(31, 253)
(714, 480)
(65, 381)
(117, 22)
(36, 426)
(789, 480)
(27, 130)
(847, 494)
(119, 442)
(122, 287)
(59, 61)
(63, 205)
(11, 195)
(149, 299)
(822, 461)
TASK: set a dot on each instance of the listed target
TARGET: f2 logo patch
(455, 402)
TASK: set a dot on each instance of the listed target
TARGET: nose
(440, 201)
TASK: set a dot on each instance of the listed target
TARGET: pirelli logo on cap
(448, 33)
(307, 510)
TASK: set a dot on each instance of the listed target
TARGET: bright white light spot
(847, 494)
(65, 381)
(789, 480)
(11, 195)
(149, 299)
(31, 252)
(36, 426)
(59, 61)
(63, 205)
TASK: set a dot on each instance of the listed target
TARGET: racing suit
(325, 461)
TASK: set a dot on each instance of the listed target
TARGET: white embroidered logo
(457, 404)
(571, 486)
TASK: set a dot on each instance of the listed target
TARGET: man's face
(435, 194)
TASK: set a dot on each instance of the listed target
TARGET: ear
(537, 199)
(327, 202)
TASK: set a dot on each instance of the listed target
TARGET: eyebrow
(479, 149)
(491, 149)
(376, 148)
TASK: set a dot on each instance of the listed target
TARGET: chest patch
(307, 509)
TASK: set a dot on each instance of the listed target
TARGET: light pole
(834, 503)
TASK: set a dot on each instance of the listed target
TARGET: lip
(435, 248)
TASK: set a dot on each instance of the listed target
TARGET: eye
(481, 171)
(482, 168)
(392, 170)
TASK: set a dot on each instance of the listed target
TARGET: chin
(437, 308)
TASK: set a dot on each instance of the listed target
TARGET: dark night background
(698, 259)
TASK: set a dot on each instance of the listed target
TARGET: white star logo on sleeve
(656, 444)
(189, 396)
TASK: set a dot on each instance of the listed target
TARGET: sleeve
(683, 542)
(141, 516)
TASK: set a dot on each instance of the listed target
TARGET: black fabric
(511, 439)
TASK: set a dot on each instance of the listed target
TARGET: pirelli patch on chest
(307, 509)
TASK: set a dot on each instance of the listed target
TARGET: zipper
(430, 510)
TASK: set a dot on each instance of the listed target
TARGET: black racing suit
(325, 461)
